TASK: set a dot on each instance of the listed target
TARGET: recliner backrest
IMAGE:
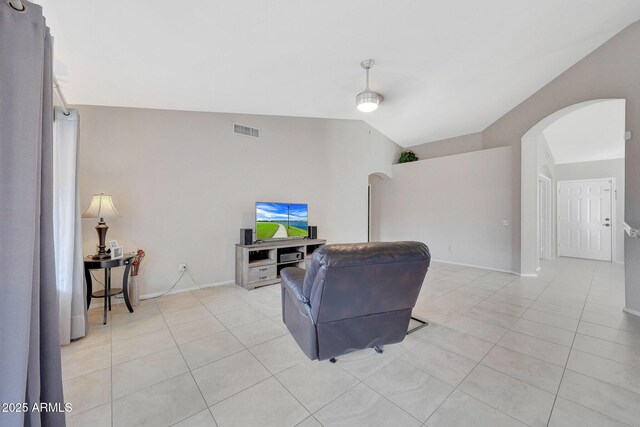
(352, 280)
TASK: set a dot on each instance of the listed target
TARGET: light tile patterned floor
(500, 351)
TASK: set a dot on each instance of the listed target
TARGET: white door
(584, 219)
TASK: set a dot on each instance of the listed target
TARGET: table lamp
(101, 207)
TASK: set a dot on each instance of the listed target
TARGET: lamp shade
(101, 207)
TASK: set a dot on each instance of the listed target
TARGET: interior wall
(449, 146)
(598, 170)
(454, 204)
(185, 184)
(609, 72)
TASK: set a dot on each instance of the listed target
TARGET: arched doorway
(534, 171)
(373, 224)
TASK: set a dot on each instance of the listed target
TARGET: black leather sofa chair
(353, 296)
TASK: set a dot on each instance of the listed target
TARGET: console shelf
(260, 264)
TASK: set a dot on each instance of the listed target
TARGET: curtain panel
(67, 227)
(29, 339)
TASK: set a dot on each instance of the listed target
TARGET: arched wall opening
(532, 170)
(373, 223)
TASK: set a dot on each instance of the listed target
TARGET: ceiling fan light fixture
(368, 100)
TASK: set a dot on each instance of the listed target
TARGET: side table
(108, 292)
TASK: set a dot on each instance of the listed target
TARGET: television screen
(281, 220)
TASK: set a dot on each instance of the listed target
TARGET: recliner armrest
(292, 279)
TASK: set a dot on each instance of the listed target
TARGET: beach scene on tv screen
(281, 220)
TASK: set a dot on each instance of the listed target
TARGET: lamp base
(101, 228)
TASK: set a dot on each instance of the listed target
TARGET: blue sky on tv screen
(279, 211)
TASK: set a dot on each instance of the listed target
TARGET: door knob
(607, 225)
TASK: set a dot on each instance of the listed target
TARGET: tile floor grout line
(111, 371)
(605, 357)
(457, 387)
(188, 369)
(568, 356)
(501, 295)
(389, 400)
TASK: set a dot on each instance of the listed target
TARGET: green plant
(408, 156)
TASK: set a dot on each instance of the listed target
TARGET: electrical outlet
(182, 267)
(505, 222)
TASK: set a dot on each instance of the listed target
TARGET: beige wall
(447, 147)
(609, 72)
(455, 204)
(185, 184)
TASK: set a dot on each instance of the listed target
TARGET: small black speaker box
(246, 236)
(313, 232)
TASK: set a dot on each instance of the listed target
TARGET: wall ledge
(631, 231)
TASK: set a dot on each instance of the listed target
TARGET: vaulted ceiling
(445, 68)
(589, 133)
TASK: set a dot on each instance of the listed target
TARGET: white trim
(369, 213)
(181, 290)
(526, 275)
(631, 311)
(118, 299)
(476, 266)
(548, 218)
(614, 214)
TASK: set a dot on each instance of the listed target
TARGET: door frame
(614, 213)
(548, 214)
(369, 212)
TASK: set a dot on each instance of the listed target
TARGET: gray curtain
(29, 342)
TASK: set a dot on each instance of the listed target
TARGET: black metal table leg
(108, 271)
(125, 287)
(87, 277)
(106, 296)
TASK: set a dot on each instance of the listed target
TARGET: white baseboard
(527, 274)
(631, 311)
(181, 290)
(475, 266)
(118, 299)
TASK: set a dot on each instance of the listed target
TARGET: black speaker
(313, 232)
(246, 236)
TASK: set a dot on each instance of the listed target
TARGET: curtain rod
(58, 91)
(18, 6)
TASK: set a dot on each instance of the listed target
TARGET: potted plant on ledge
(408, 156)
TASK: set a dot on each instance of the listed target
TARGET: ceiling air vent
(246, 131)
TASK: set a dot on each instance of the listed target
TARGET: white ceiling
(445, 67)
(592, 132)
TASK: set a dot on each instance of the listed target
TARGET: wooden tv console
(259, 264)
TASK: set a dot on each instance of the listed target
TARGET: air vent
(246, 131)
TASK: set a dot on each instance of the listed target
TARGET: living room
(459, 287)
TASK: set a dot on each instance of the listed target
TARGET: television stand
(259, 264)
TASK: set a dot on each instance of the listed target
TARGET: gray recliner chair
(353, 296)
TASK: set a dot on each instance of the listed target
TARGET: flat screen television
(281, 220)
